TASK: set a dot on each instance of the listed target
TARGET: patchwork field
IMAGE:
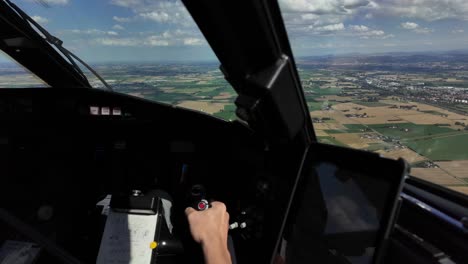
(436, 175)
(407, 154)
(422, 133)
(203, 106)
(451, 147)
(461, 189)
(458, 168)
(348, 109)
(352, 140)
(407, 131)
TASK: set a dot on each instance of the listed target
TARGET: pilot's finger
(218, 205)
(226, 219)
(189, 210)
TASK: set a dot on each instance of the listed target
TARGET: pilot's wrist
(216, 251)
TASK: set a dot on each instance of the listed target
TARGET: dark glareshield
(344, 207)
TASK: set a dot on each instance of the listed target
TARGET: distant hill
(456, 56)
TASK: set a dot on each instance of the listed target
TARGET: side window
(13, 75)
(388, 79)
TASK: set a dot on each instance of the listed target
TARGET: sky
(162, 30)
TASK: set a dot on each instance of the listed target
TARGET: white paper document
(127, 239)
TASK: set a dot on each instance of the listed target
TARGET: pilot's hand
(210, 229)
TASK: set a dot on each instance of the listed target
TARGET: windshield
(148, 49)
(13, 75)
(385, 76)
(388, 76)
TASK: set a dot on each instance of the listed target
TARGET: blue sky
(162, 30)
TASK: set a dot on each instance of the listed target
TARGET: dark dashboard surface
(57, 152)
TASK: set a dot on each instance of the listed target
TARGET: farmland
(396, 112)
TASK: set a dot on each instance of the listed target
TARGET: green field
(432, 112)
(370, 104)
(215, 92)
(350, 128)
(453, 147)
(331, 141)
(376, 146)
(414, 131)
(228, 113)
(326, 91)
(157, 95)
(315, 106)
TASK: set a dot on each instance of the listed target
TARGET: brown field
(335, 98)
(387, 111)
(458, 168)
(203, 106)
(380, 120)
(354, 140)
(348, 106)
(427, 119)
(338, 116)
(407, 154)
(453, 80)
(21, 79)
(322, 126)
(436, 175)
(223, 95)
(426, 107)
(321, 133)
(452, 174)
(377, 115)
(462, 189)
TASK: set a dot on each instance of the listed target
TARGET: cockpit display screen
(345, 208)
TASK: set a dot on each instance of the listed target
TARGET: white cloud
(423, 30)
(147, 39)
(151, 41)
(303, 16)
(388, 36)
(122, 19)
(50, 2)
(123, 42)
(458, 31)
(40, 20)
(193, 41)
(409, 25)
(359, 28)
(55, 2)
(332, 27)
(92, 31)
(365, 32)
(428, 10)
(375, 33)
(158, 16)
(126, 3)
(322, 6)
(315, 16)
(118, 27)
(416, 28)
(162, 11)
(156, 41)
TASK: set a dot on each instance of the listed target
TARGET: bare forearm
(216, 252)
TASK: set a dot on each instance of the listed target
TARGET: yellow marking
(153, 244)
